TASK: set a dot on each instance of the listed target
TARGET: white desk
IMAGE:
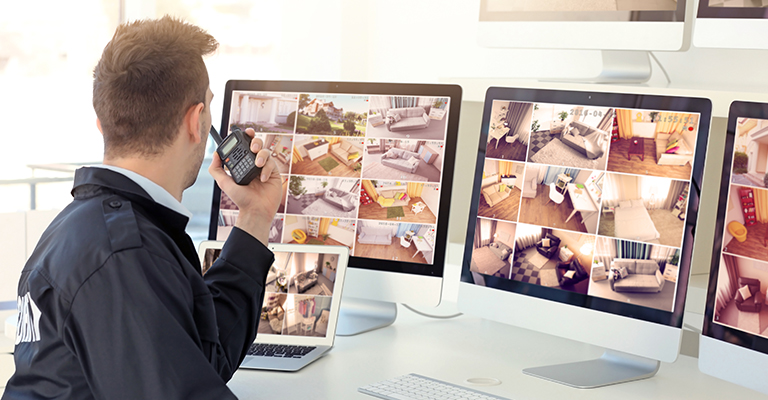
(422, 246)
(582, 203)
(466, 347)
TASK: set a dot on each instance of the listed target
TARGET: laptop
(301, 304)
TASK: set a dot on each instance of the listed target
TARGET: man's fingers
(216, 171)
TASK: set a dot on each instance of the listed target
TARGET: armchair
(755, 302)
(579, 274)
(548, 251)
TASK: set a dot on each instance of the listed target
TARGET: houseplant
(296, 188)
(563, 115)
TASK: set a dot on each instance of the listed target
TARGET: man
(112, 302)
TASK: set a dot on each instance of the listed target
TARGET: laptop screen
(298, 295)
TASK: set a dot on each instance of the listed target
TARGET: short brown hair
(149, 74)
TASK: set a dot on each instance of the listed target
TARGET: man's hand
(258, 201)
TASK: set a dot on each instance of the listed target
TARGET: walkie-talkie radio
(235, 152)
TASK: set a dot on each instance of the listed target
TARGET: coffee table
(636, 147)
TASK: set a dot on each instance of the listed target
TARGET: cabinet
(313, 226)
(682, 200)
(747, 199)
(562, 181)
(316, 149)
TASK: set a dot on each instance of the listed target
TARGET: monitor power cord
(432, 315)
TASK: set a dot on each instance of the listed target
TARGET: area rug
(322, 208)
(315, 241)
(548, 277)
(328, 164)
(395, 212)
(538, 260)
(558, 153)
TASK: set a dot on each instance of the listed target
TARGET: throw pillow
(637, 203)
(413, 160)
(672, 147)
(353, 156)
(745, 292)
(683, 149)
(397, 117)
(625, 204)
(575, 131)
(623, 272)
(546, 242)
(569, 274)
(659, 277)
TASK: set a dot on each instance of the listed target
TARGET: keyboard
(414, 386)
(278, 350)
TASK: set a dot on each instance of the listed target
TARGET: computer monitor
(364, 165)
(623, 30)
(731, 24)
(581, 223)
(734, 342)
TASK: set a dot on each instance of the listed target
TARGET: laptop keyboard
(278, 350)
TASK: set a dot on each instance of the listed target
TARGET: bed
(490, 259)
(633, 222)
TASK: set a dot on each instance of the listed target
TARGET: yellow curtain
(334, 140)
(297, 158)
(505, 167)
(673, 122)
(624, 119)
(761, 205)
(324, 223)
(368, 187)
(414, 189)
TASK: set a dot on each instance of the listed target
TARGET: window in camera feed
(361, 171)
(585, 199)
(743, 274)
(298, 293)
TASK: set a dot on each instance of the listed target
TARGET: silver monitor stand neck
(359, 316)
(619, 67)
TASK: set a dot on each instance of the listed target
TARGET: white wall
(341, 235)
(431, 197)
(506, 227)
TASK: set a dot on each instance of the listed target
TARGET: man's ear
(98, 125)
(192, 122)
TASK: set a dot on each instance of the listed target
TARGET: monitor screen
(739, 24)
(739, 273)
(588, 199)
(367, 166)
(299, 292)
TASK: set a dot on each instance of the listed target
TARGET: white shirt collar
(155, 191)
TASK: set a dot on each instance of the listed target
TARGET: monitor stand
(611, 368)
(358, 316)
(619, 66)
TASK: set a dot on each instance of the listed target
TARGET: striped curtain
(550, 176)
(761, 205)
(527, 236)
(407, 227)
(414, 189)
(478, 240)
(662, 254)
(333, 140)
(368, 187)
(506, 168)
(624, 119)
(297, 158)
(403, 102)
(605, 251)
(380, 104)
(727, 282)
(637, 251)
(607, 122)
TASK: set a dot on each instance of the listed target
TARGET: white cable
(431, 315)
(666, 75)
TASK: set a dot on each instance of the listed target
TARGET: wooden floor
(753, 246)
(328, 241)
(536, 211)
(506, 209)
(309, 167)
(389, 252)
(377, 212)
(506, 151)
(617, 162)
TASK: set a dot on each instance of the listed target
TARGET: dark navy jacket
(113, 304)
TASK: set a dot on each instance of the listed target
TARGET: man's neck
(157, 170)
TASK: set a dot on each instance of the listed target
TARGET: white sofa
(682, 156)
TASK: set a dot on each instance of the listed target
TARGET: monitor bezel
(603, 99)
(706, 11)
(738, 109)
(451, 91)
